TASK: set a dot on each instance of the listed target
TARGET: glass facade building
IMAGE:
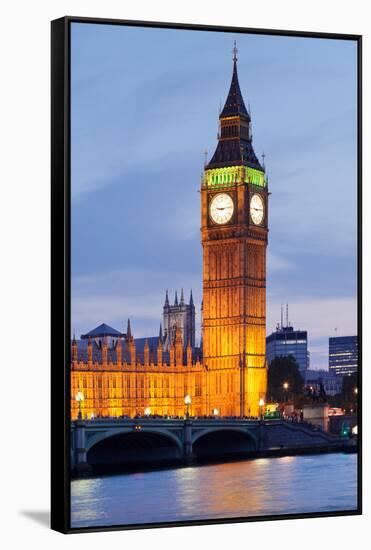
(286, 341)
(343, 355)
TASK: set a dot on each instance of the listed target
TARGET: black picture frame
(61, 276)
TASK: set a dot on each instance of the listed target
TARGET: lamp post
(285, 387)
(261, 405)
(216, 413)
(79, 398)
(187, 401)
(147, 411)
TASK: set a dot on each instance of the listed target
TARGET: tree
(349, 387)
(349, 392)
(284, 379)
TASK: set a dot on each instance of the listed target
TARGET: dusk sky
(145, 107)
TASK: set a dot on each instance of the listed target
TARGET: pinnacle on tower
(191, 299)
(160, 333)
(181, 298)
(128, 331)
(235, 138)
(234, 105)
(166, 299)
(176, 299)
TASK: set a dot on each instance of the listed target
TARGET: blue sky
(145, 108)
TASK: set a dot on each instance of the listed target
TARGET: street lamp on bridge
(79, 398)
(187, 401)
(216, 413)
(261, 405)
(147, 412)
(285, 387)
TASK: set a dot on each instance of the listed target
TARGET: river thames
(263, 486)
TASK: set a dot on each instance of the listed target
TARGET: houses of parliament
(227, 374)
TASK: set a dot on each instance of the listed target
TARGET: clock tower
(234, 231)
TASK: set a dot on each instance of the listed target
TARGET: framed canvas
(206, 274)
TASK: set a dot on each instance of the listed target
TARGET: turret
(74, 350)
(90, 353)
(130, 344)
(104, 352)
(172, 354)
(146, 353)
(160, 348)
(166, 305)
(119, 353)
(178, 346)
(189, 353)
(128, 332)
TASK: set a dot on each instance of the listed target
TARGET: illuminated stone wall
(122, 389)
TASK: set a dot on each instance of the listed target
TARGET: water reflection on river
(264, 486)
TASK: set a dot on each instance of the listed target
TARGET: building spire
(181, 298)
(176, 299)
(128, 331)
(166, 299)
(234, 105)
(235, 52)
(191, 299)
(235, 135)
(160, 333)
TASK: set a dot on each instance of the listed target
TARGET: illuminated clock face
(221, 208)
(257, 209)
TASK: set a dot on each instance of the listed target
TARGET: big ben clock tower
(234, 229)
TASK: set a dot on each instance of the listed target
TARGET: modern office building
(286, 341)
(343, 355)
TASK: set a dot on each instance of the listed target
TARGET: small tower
(181, 315)
(146, 353)
(178, 347)
(74, 350)
(189, 354)
(90, 353)
(130, 344)
(104, 352)
(119, 353)
(160, 348)
(172, 354)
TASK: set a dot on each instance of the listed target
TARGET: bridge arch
(224, 440)
(102, 436)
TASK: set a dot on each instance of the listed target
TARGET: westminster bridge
(146, 441)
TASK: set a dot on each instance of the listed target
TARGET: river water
(263, 486)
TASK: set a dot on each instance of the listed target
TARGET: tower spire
(191, 299)
(166, 299)
(176, 299)
(181, 298)
(235, 52)
(234, 136)
(128, 331)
